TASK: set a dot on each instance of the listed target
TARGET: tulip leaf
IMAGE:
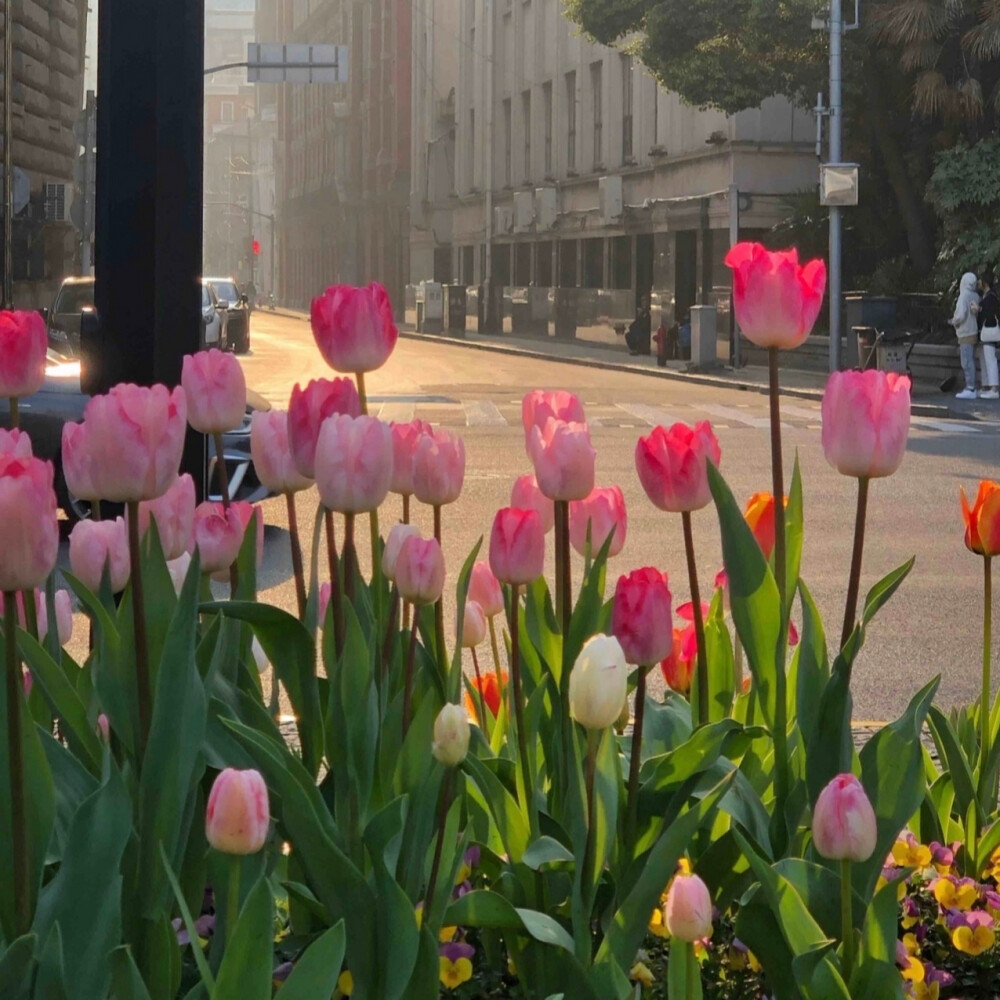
(953, 756)
(511, 822)
(17, 964)
(317, 971)
(461, 594)
(683, 972)
(245, 973)
(482, 908)
(544, 852)
(126, 981)
(813, 667)
(50, 980)
(753, 595)
(591, 614)
(794, 531)
(879, 595)
(818, 977)
(721, 664)
(697, 754)
(830, 748)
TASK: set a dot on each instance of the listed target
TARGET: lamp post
(8, 154)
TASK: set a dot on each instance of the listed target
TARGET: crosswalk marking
(398, 413)
(801, 411)
(483, 413)
(947, 426)
(651, 415)
(731, 413)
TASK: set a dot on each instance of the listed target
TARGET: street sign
(838, 184)
(272, 62)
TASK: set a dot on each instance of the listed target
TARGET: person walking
(638, 336)
(989, 336)
(967, 332)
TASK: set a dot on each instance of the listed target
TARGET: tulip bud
(843, 823)
(308, 408)
(473, 625)
(29, 531)
(325, 593)
(405, 438)
(517, 546)
(982, 519)
(216, 391)
(23, 346)
(672, 465)
(238, 814)
(598, 684)
(538, 406)
(420, 570)
(174, 516)
(451, 735)
(688, 909)
(438, 467)
(526, 495)
(92, 545)
(390, 554)
(564, 459)
(178, 570)
(103, 728)
(602, 512)
(484, 589)
(641, 619)
(353, 463)
(354, 327)
(218, 535)
(64, 615)
(272, 455)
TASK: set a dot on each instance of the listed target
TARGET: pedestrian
(684, 335)
(638, 336)
(967, 332)
(989, 336)
(662, 340)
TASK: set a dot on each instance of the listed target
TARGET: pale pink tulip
(866, 421)
(688, 909)
(420, 570)
(309, 407)
(563, 458)
(325, 593)
(216, 391)
(517, 546)
(64, 616)
(438, 468)
(405, 438)
(672, 465)
(353, 463)
(15, 442)
(354, 327)
(485, 589)
(174, 516)
(178, 569)
(539, 405)
(103, 728)
(218, 536)
(245, 511)
(473, 625)
(641, 617)
(843, 823)
(29, 532)
(603, 512)
(76, 462)
(94, 544)
(23, 346)
(238, 813)
(271, 453)
(526, 495)
(390, 554)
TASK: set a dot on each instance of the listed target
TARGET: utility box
(430, 307)
(455, 309)
(704, 337)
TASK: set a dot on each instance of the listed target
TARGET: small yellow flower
(973, 940)
(640, 973)
(924, 991)
(955, 897)
(911, 855)
(911, 944)
(345, 983)
(446, 934)
(914, 970)
(453, 974)
(418, 913)
(755, 965)
(657, 925)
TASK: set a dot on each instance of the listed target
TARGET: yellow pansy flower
(910, 854)
(640, 973)
(345, 983)
(973, 940)
(924, 991)
(913, 971)
(911, 944)
(955, 896)
(657, 925)
(453, 974)
(446, 934)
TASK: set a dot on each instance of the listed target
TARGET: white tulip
(598, 685)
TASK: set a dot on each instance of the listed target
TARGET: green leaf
(17, 964)
(461, 592)
(884, 589)
(721, 663)
(545, 851)
(126, 982)
(316, 973)
(199, 956)
(482, 908)
(794, 530)
(829, 746)
(702, 749)
(818, 977)
(953, 756)
(510, 820)
(813, 670)
(245, 973)
(50, 981)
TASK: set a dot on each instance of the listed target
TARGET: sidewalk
(928, 401)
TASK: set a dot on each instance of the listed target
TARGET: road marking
(483, 413)
(731, 413)
(398, 413)
(651, 415)
(801, 411)
(947, 426)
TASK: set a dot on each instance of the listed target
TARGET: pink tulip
(843, 823)
(640, 616)
(485, 590)
(216, 391)
(174, 516)
(473, 625)
(15, 442)
(94, 544)
(309, 407)
(29, 531)
(353, 463)
(103, 728)
(776, 299)
(538, 406)
(866, 420)
(28, 683)
(218, 536)
(438, 468)
(517, 546)
(129, 446)
(23, 346)
(178, 568)
(354, 327)
(526, 495)
(603, 512)
(325, 593)
(271, 453)
(77, 463)
(64, 616)
(420, 570)
(245, 511)
(238, 813)
(688, 910)
(564, 459)
(405, 438)
(390, 554)
(672, 465)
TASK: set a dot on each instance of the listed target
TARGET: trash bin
(455, 310)
(865, 337)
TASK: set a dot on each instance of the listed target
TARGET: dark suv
(62, 318)
(238, 325)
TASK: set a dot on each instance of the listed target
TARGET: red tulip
(776, 299)
(174, 516)
(272, 455)
(603, 512)
(982, 519)
(484, 589)
(420, 570)
(640, 616)
(517, 546)
(218, 536)
(538, 406)
(94, 544)
(843, 824)
(491, 689)
(526, 495)
(672, 465)
(678, 667)
(405, 438)
(438, 468)
(216, 391)
(238, 813)
(564, 459)
(29, 531)
(354, 327)
(309, 407)
(353, 463)
(866, 420)
(23, 346)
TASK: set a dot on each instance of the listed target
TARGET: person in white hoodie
(967, 330)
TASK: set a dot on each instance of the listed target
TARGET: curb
(939, 411)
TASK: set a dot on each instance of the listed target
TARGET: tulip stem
(590, 765)
(406, 508)
(846, 919)
(854, 582)
(232, 897)
(443, 805)
(699, 622)
(439, 606)
(635, 759)
(142, 679)
(336, 597)
(984, 710)
(521, 736)
(350, 559)
(15, 762)
(564, 603)
(390, 630)
(479, 690)
(373, 515)
(220, 464)
(293, 534)
(411, 654)
(495, 646)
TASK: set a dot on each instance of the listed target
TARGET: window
(507, 140)
(593, 263)
(547, 112)
(627, 110)
(596, 89)
(226, 111)
(526, 117)
(568, 254)
(571, 122)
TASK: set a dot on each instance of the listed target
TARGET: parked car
(214, 319)
(62, 318)
(228, 293)
(60, 400)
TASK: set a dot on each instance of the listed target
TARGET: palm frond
(908, 22)
(930, 93)
(919, 55)
(983, 41)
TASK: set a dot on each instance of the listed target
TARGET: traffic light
(255, 246)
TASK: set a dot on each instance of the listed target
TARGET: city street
(933, 625)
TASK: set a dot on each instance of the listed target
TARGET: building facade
(343, 162)
(573, 170)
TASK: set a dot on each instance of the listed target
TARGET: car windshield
(75, 298)
(226, 290)
(206, 297)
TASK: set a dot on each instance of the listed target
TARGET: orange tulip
(982, 519)
(759, 515)
(491, 691)
(678, 667)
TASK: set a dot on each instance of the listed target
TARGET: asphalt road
(933, 625)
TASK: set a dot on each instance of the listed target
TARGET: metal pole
(272, 289)
(835, 156)
(488, 145)
(8, 154)
(90, 140)
(734, 238)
